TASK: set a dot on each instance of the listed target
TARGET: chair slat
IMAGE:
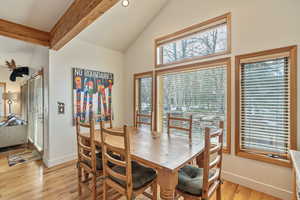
(145, 123)
(180, 119)
(216, 133)
(179, 128)
(216, 148)
(115, 161)
(214, 177)
(215, 162)
(86, 148)
(115, 174)
(114, 132)
(114, 149)
(213, 188)
(85, 157)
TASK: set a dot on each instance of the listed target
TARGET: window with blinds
(209, 38)
(202, 93)
(265, 106)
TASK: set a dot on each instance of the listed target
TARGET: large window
(266, 106)
(209, 38)
(200, 90)
(143, 91)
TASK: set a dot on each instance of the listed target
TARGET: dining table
(166, 153)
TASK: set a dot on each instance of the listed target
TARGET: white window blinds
(265, 107)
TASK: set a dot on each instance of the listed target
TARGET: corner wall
(256, 25)
(62, 136)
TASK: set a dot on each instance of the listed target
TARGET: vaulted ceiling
(39, 14)
(120, 26)
(58, 21)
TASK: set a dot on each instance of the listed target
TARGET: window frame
(255, 57)
(195, 66)
(136, 77)
(208, 24)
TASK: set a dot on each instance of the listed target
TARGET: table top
(158, 150)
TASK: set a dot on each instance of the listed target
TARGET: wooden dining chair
(201, 183)
(108, 122)
(125, 176)
(138, 119)
(178, 119)
(89, 162)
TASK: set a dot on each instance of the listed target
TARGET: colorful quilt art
(92, 93)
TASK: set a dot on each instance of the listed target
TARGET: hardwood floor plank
(33, 181)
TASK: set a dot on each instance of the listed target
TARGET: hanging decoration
(92, 93)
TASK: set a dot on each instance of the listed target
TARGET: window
(143, 93)
(209, 38)
(266, 105)
(200, 90)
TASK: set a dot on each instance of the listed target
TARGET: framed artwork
(92, 93)
(2, 101)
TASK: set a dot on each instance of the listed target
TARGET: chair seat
(190, 180)
(141, 175)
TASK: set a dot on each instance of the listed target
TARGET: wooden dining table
(163, 152)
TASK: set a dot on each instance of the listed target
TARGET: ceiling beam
(24, 33)
(79, 15)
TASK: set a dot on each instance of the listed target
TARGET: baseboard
(256, 185)
(61, 160)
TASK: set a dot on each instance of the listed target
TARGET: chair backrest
(212, 167)
(107, 122)
(139, 121)
(86, 148)
(178, 119)
(121, 148)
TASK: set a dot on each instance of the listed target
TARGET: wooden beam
(79, 15)
(25, 33)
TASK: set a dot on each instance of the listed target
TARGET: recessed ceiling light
(125, 3)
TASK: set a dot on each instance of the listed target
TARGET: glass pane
(145, 98)
(200, 44)
(200, 93)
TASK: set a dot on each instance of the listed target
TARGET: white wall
(62, 136)
(256, 25)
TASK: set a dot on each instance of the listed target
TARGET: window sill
(263, 158)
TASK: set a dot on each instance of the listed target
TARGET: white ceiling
(40, 14)
(121, 26)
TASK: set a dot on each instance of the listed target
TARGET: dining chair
(107, 122)
(183, 120)
(138, 119)
(127, 177)
(201, 183)
(89, 162)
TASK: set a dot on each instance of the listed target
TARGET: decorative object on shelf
(10, 97)
(92, 93)
(125, 3)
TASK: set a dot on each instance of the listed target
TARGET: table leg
(168, 181)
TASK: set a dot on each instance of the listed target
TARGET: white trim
(256, 185)
(61, 160)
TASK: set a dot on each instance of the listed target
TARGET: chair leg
(79, 180)
(154, 190)
(218, 195)
(94, 187)
(104, 190)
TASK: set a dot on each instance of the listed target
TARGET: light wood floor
(32, 181)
